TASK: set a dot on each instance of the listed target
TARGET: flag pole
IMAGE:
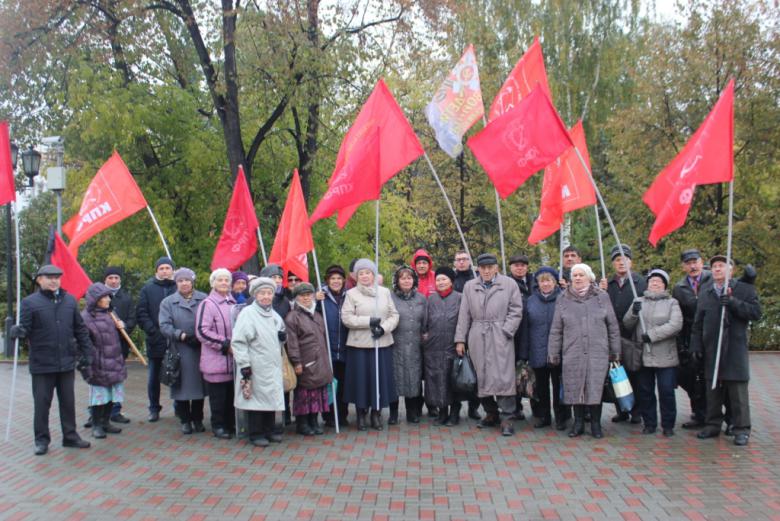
(560, 250)
(449, 205)
(16, 340)
(726, 285)
(262, 247)
(327, 337)
(601, 243)
(376, 299)
(159, 231)
(498, 214)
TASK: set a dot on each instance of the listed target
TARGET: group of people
(252, 339)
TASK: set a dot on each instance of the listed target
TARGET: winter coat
(526, 285)
(407, 337)
(256, 345)
(742, 308)
(538, 314)
(54, 330)
(663, 320)
(359, 306)
(108, 364)
(281, 303)
(306, 345)
(147, 314)
(487, 322)
(122, 304)
(583, 335)
(177, 316)
(337, 331)
(426, 285)
(623, 297)
(439, 348)
(461, 278)
(213, 328)
(683, 293)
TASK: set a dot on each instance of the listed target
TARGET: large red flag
(566, 187)
(7, 187)
(238, 241)
(397, 144)
(293, 237)
(524, 140)
(112, 196)
(74, 280)
(707, 158)
(528, 72)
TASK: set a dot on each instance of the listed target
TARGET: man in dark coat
(621, 295)
(571, 256)
(147, 314)
(124, 308)
(518, 270)
(739, 302)
(463, 270)
(51, 323)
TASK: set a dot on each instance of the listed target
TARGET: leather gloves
(377, 332)
(246, 373)
(725, 299)
(225, 346)
(646, 338)
(84, 366)
(636, 307)
(282, 335)
(17, 331)
(374, 321)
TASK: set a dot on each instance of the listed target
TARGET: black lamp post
(31, 164)
(9, 319)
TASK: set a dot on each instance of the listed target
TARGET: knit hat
(240, 275)
(335, 269)
(302, 289)
(219, 272)
(164, 260)
(184, 273)
(365, 264)
(616, 251)
(547, 269)
(272, 270)
(447, 271)
(661, 274)
(260, 283)
(113, 270)
(486, 259)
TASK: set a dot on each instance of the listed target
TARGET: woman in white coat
(257, 349)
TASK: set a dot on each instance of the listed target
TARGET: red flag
(112, 196)
(707, 158)
(520, 142)
(7, 187)
(397, 144)
(293, 237)
(528, 72)
(566, 187)
(74, 280)
(238, 241)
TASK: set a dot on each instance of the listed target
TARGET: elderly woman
(332, 298)
(214, 329)
(308, 352)
(177, 323)
(439, 347)
(584, 338)
(257, 347)
(663, 320)
(240, 287)
(534, 332)
(407, 337)
(370, 315)
(108, 371)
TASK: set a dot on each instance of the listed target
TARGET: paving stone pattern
(151, 471)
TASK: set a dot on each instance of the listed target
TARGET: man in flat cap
(51, 323)
(490, 313)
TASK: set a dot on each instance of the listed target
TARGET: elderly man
(51, 322)
(490, 313)
(740, 304)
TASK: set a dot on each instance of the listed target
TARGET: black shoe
(120, 418)
(444, 415)
(88, 423)
(620, 417)
(314, 425)
(577, 428)
(474, 413)
(330, 422)
(98, 431)
(636, 419)
(668, 433)
(287, 418)
(519, 416)
(541, 423)
(41, 449)
(648, 430)
(595, 429)
(488, 421)
(362, 421)
(222, 433)
(260, 441)
(729, 430)
(111, 429)
(376, 420)
(433, 412)
(560, 424)
(154, 416)
(708, 433)
(693, 425)
(412, 416)
(393, 417)
(274, 437)
(741, 439)
(76, 444)
(198, 426)
(302, 425)
(454, 417)
(186, 428)
(507, 429)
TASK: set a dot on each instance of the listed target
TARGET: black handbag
(463, 377)
(170, 373)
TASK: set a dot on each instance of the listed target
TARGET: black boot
(362, 420)
(393, 418)
(98, 431)
(412, 409)
(444, 414)
(269, 427)
(314, 425)
(454, 417)
(474, 410)
(88, 423)
(376, 420)
(578, 427)
(302, 425)
(595, 421)
(107, 426)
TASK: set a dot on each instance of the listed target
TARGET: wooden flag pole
(133, 348)
(16, 340)
(159, 232)
(327, 339)
(726, 285)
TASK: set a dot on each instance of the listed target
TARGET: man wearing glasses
(463, 270)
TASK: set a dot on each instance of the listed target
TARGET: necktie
(695, 286)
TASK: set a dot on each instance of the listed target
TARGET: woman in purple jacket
(214, 328)
(108, 372)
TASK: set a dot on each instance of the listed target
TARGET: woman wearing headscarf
(371, 317)
(332, 299)
(439, 347)
(214, 330)
(407, 337)
(584, 339)
(177, 323)
(663, 319)
(538, 316)
(257, 348)
(108, 371)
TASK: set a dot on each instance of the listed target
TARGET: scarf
(581, 292)
(445, 293)
(369, 291)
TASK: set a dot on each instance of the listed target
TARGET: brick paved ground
(150, 471)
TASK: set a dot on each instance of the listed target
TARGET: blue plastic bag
(624, 394)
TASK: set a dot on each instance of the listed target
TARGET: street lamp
(31, 164)
(9, 292)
